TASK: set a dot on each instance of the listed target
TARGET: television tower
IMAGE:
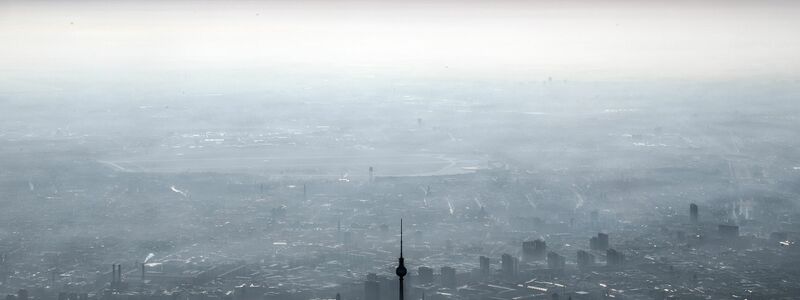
(371, 175)
(401, 267)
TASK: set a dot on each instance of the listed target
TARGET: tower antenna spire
(401, 268)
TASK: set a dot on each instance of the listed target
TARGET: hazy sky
(574, 39)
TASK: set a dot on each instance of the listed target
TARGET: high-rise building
(448, 277)
(600, 242)
(555, 261)
(614, 258)
(509, 266)
(534, 250)
(693, 213)
(527, 250)
(585, 259)
(485, 266)
(425, 275)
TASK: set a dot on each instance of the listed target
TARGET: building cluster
(457, 252)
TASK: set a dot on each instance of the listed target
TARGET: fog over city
(268, 150)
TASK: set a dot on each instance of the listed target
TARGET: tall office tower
(600, 242)
(372, 290)
(539, 249)
(614, 258)
(425, 275)
(509, 266)
(534, 250)
(485, 265)
(555, 261)
(595, 219)
(448, 277)
(585, 259)
(693, 213)
(401, 267)
(527, 251)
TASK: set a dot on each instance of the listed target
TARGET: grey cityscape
(381, 150)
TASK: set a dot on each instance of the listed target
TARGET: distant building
(585, 259)
(534, 250)
(728, 231)
(600, 242)
(555, 261)
(371, 174)
(614, 258)
(693, 213)
(509, 266)
(485, 265)
(425, 275)
(448, 277)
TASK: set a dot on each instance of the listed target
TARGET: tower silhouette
(401, 268)
(371, 174)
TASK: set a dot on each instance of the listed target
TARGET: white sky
(596, 39)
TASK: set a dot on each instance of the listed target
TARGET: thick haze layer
(575, 39)
(266, 150)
